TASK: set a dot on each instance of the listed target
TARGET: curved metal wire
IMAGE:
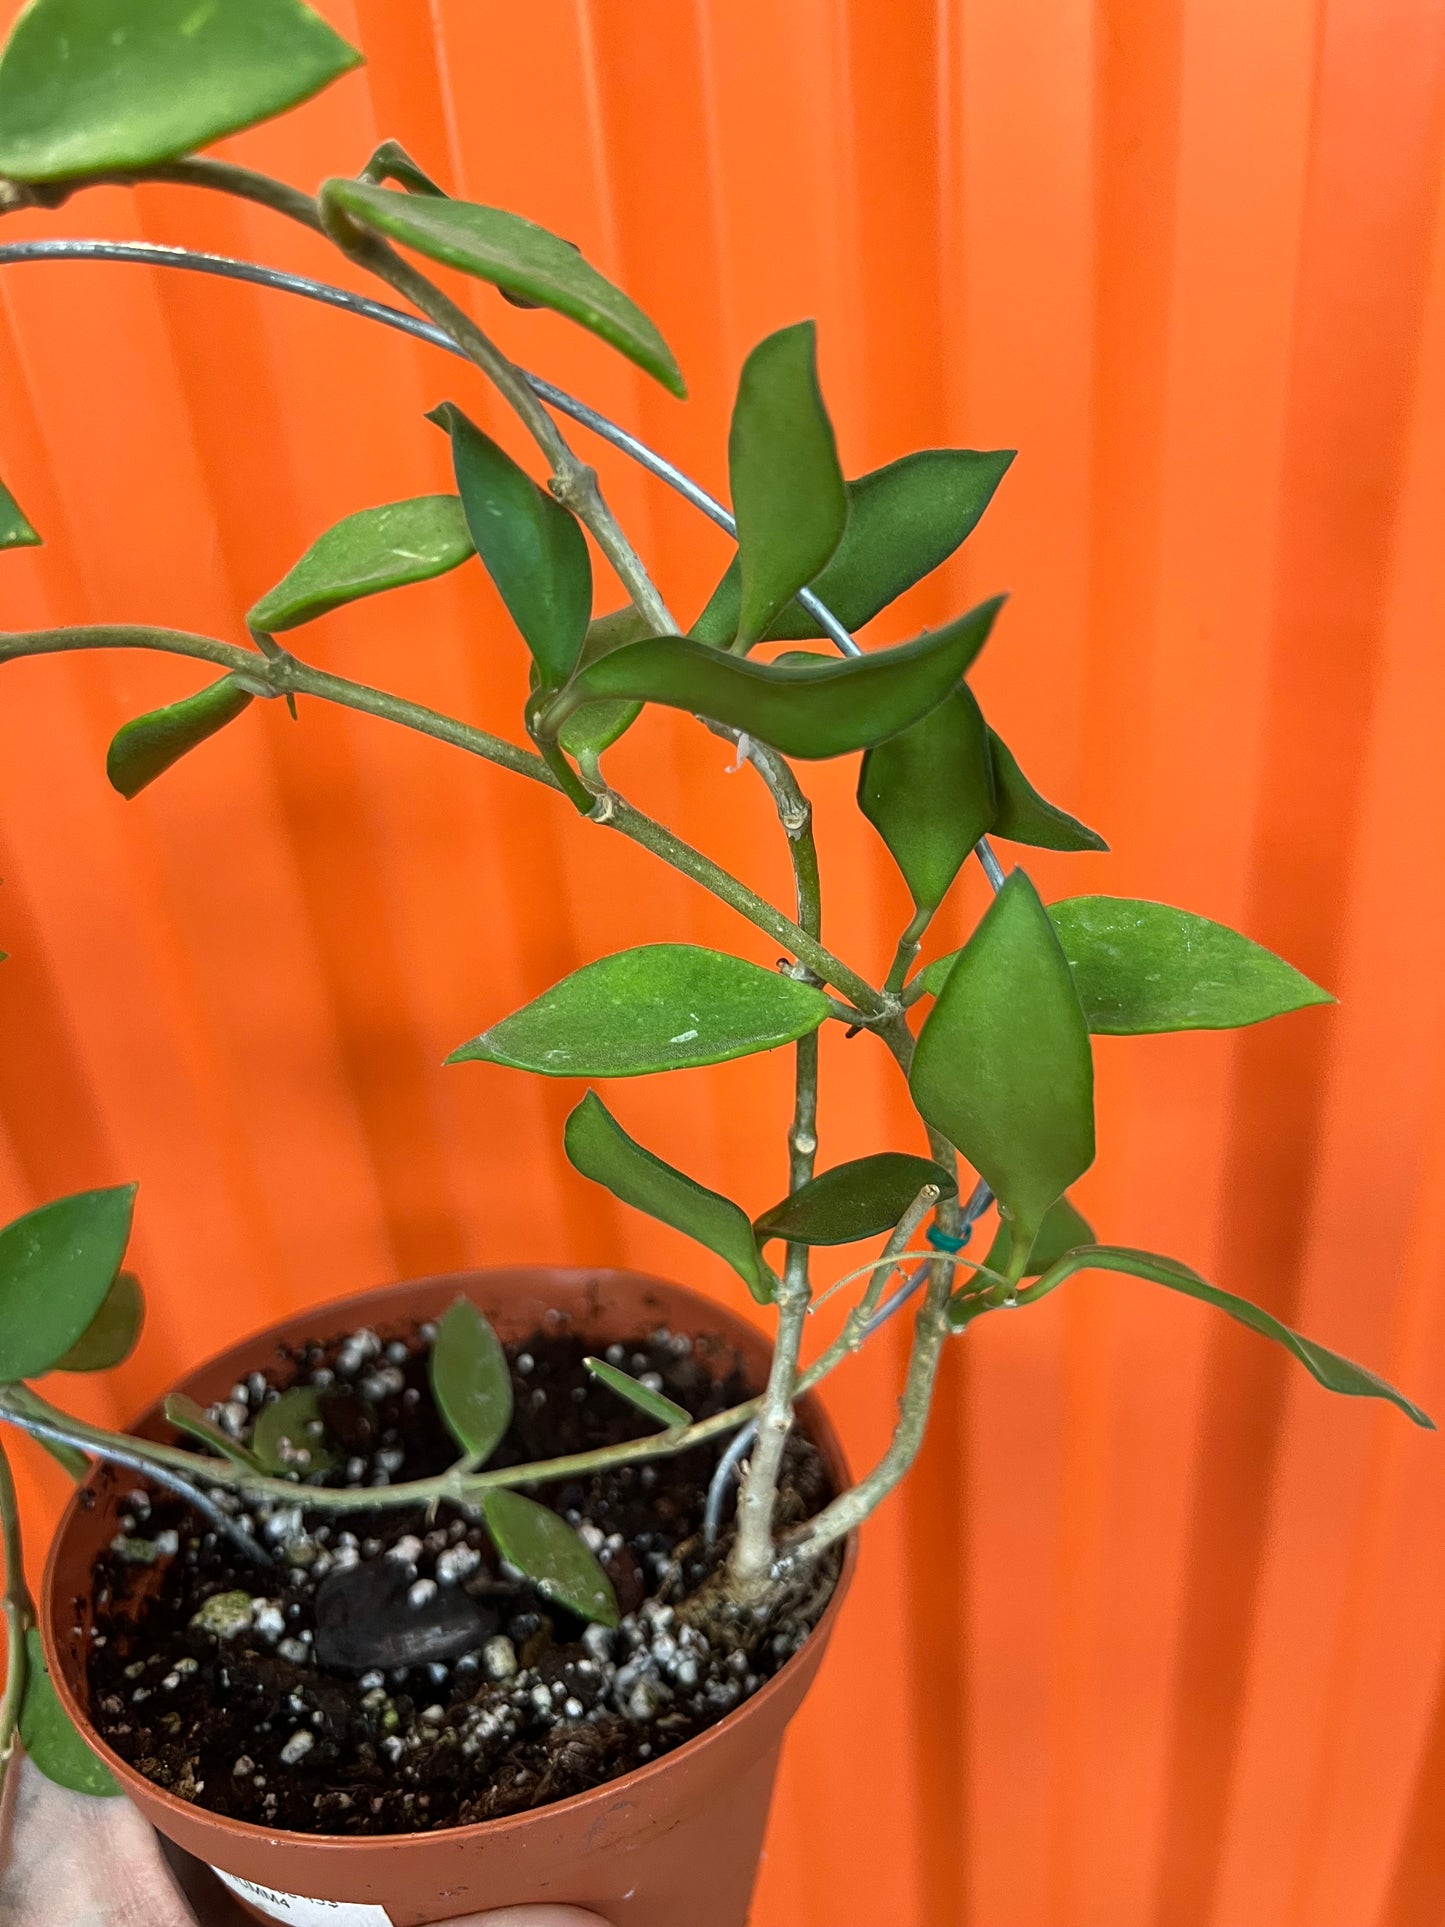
(228, 268)
(154, 255)
(117, 1453)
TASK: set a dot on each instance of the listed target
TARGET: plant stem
(620, 815)
(286, 674)
(751, 1560)
(34, 1414)
(855, 1328)
(24, 1408)
(574, 483)
(843, 1514)
(243, 182)
(19, 1617)
(909, 945)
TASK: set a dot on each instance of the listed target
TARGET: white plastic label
(298, 1911)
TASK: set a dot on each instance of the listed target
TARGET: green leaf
(56, 1266)
(789, 496)
(1336, 1374)
(290, 1434)
(597, 726)
(601, 1150)
(364, 553)
(391, 162)
(1141, 966)
(933, 976)
(808, 708)
(15, 530)
(111, 1335)
(903, 521)
(1023, 816)
(91, 85)
(860, 1199)
(188, 1417)
(516, 256)
(533, 548)
(48, 1736)
(642, 1396)
(144, 749)
(1063, 1228)
(662, 1007)
(68, 1458)
(1003, 1067)
(549, 1552)
(471, 1381)
(929, 794)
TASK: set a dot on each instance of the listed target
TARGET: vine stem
(25, 1409)
(220, 176)
(751, 1559)
(848, 1511)
(19, 1617)
(288, 675)
(909, 945)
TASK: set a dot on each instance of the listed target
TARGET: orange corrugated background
(1156, 1637)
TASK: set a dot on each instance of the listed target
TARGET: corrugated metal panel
(1155, 1638)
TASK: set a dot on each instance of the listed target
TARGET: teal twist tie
(945, 1240)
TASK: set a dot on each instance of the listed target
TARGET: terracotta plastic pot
(675, 1844)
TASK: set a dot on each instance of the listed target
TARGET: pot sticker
(298, 1911)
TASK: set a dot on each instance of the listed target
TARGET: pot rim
(820, 1430)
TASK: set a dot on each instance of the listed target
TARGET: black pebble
(364, 1620)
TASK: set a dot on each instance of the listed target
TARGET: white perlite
(457, 1562)
(499, 1656)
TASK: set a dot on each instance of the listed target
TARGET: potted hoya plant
(503, 1587)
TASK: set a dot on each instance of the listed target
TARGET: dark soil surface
(389, 1673)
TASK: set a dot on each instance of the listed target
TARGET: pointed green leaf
(1062, 1230)
(48, 1737)
(110, 1337)
(15, 530)
(810, 707)
(1023, 816)
(68, 1458)
(1003, 1067)
(91, 85)
(597, 726)
(290, 1434)
(654, 1404)
(662, 1007)
(391, 162)
(903, 521)
(533, 548)
(142, 750)
(545, 1548)
(860, 1199)
(183, 1412)
(601, 1150)
(929, 794)
(788, 492)
(1336, 1374)
(1141, 966)
(516, 256)
(56, 1266)
(933, 976)
(471, 1381)
(365, 553)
